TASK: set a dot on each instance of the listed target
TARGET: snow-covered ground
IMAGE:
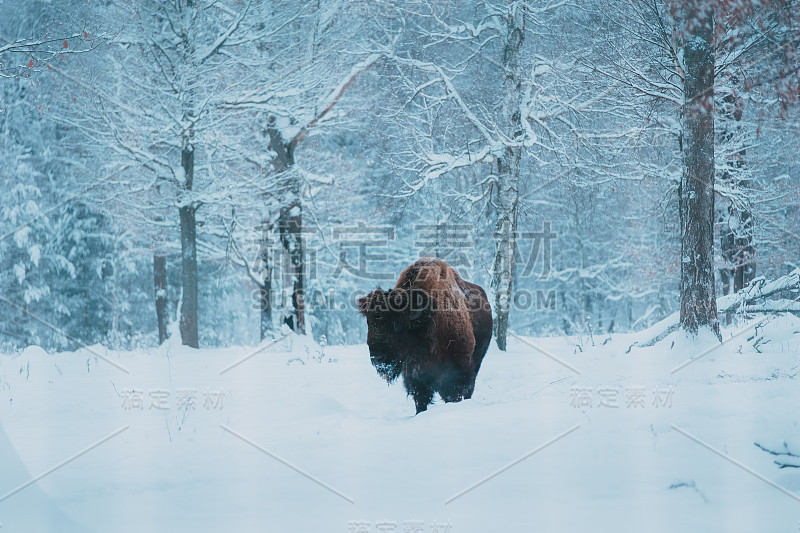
(298, 438)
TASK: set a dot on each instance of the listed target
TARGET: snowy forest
(217, 170)
(201, 200)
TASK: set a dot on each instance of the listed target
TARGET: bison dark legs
(422, 393)
(470, 388)
(456, 385)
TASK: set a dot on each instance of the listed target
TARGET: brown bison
(433, 328)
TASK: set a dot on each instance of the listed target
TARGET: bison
(432, 328)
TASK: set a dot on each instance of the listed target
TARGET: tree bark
(187, 209)
(189, 300)
(265, 287)
(290, 227)
(736, 241)
(508, 167)
(160, 286)
(696, 192)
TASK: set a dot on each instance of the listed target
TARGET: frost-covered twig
(792, 460)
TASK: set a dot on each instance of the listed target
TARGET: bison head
(396, 324)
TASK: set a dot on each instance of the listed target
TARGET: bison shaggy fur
(432, 328)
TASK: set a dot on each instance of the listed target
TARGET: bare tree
(316, 71)
(454, 128)
(156, 110)
(508, 167)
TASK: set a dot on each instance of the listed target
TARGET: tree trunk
(737, 248)
(290, 227)
(696, 192)
(291, 220)
(160, 286)
(265, 287)
(508, 166)
(746, 269)
(189, 301)
(736, 241)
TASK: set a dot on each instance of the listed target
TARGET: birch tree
(508, 168)
(455, 128)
